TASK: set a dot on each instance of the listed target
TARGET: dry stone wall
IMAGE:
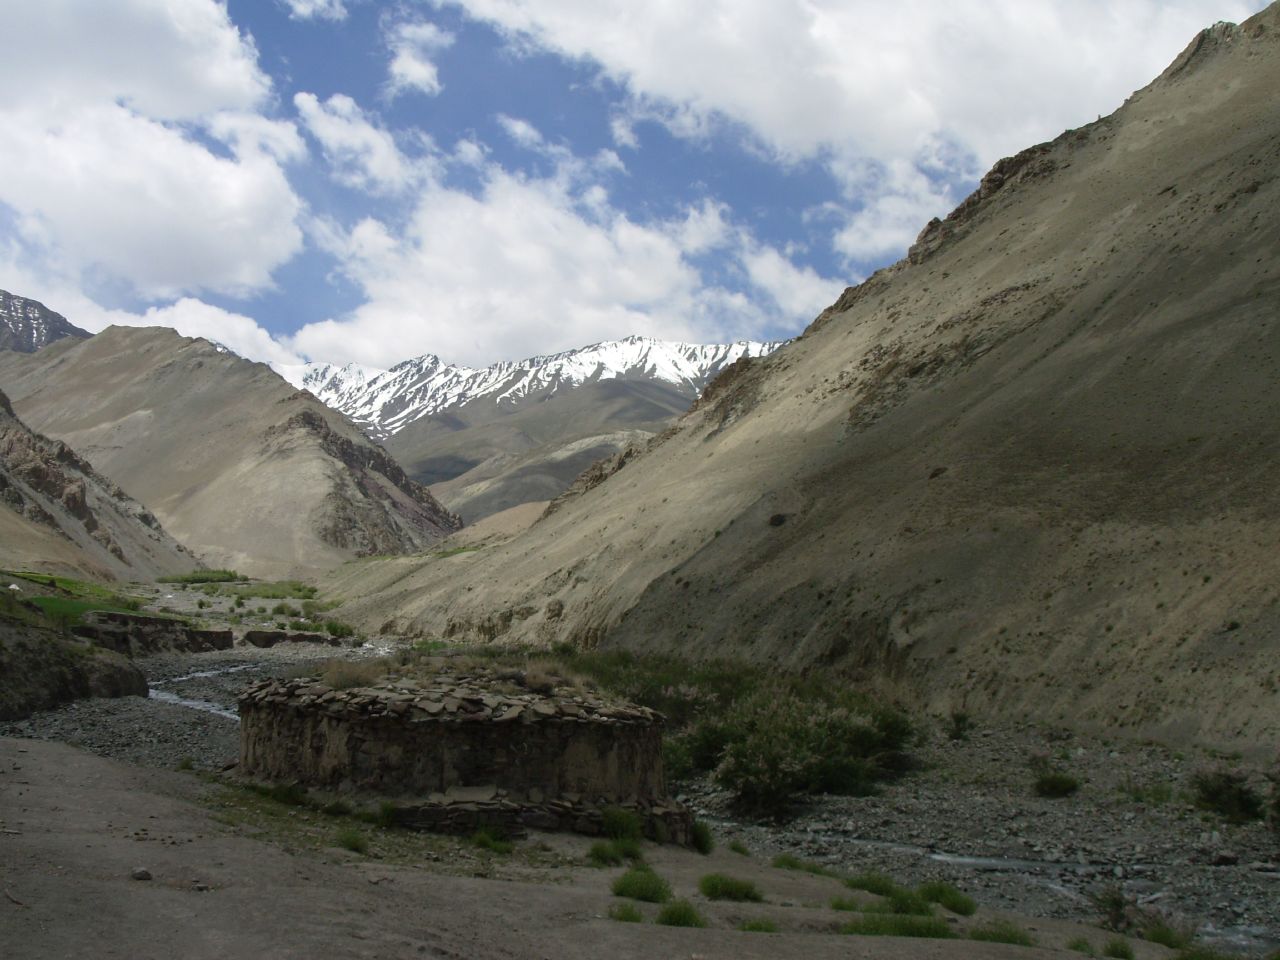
(458, 753)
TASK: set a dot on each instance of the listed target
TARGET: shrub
(847, 904)
(1114, 906)
(486, 840)
(202, 604)
(1161, 932)
(1206, 953)
(718, 886)
(641, 883)
(680, 913)
(604, 854)
(1228, 794)
(789, 861)
(620, 824)
(902, 901)
(352, 839)
(285, 610)
(761, 925)
(703, 842)
(345, 674)
(740, 848)
(948, 897)
(1081, 945)
(1002, 931)
(626, 913)
(959, 724)
(876, 883)
(1119, 948)
(336, 628)
(898, 925)
(202, 576)
(1056, 784)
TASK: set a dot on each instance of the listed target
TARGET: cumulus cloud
(872, 84)
(413, 45)
(360, 153)
(316, 9)
(113, 180)
(529, 265)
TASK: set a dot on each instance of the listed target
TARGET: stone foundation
(456, 754)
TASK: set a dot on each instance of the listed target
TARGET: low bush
(626, 913)
(761, 925)
(621, 824)
(611, 853)
(1115, 906)
(740, 848)
(680, 913)
(486, 840)
(1165, 934)
(1228, 794)
(1118, 948)
(959, 724)
(876, 883)
(948, 897)
(1002, 931)
(641, 883)
(285, 610)
(902, 901)
(789, 861)
(899, 925)
(718, 886)
(847, 904)
(1055, 785)
(352, 839)
(703, 842)
(1081, 945)
(338, 629)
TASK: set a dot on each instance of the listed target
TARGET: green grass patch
(718, 886)
(1002, 931)
(740, 848)
(902, 901)
(846, 904)
(703, 842)
(273, 590)
(487, 840)
(1081, 945)
(338, 629)
(1208, 953)
(680, 913)
(289, 794)
(352, 839)
(1163, 933)
(202, 576)
(877, 883)
(789, 861)
(761, 925)
(626, 913)
(899, 925)
(1119, 948)
(948, 897)
(621, 824)
(641, 883)
(612, 853)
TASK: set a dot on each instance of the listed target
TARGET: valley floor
(75, 825)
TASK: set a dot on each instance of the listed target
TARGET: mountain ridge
(27, 325)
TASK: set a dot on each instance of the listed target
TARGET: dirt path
(75, 827)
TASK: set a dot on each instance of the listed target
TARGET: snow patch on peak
(384, 402)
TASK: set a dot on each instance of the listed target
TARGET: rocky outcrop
(40, 669)
(462, 750)
(269, 638)
(27, 325)
(136, 635)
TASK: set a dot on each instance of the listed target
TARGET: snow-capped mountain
(383, 402)
(27, 325)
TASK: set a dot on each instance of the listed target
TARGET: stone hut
(455, 752)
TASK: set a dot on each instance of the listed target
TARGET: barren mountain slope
(28, 325)
(240, 467)
(57, 515)
(1028, 471)
(483, 457)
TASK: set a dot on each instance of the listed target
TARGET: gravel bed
(971, 818)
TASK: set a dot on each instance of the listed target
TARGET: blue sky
(350, 180)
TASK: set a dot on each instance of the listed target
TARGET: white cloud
(361, 154)
(871, 82)
(533, 265)
(111, 182)
(316, 9)
(412, 47)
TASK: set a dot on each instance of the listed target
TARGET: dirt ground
(75, 827)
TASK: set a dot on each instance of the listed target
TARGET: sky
(361, 181)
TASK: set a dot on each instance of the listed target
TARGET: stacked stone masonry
(457, 753)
